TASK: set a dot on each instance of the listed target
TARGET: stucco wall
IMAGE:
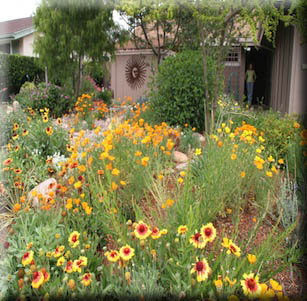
(298, 86)
(119, 84)
(26, 45)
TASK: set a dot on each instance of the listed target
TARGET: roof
(14, 29)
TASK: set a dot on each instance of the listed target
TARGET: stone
(200, 137)
(182, 166)
(16, 105)
(44, 189)
(180, 157)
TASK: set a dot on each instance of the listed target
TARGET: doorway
(261, 59)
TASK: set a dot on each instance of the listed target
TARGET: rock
(200, 137)
(16, 105)
(182, 166)
(43, 188)
(180, 157)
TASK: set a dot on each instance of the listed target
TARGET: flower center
(199, 266)
(74, 238)
(233, 248)
(251, 284)
(208, 231)
(142, 229)
(197, 236)
(126, 251)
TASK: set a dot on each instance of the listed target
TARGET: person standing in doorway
(250, 80)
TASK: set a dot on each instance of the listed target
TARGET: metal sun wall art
(135, 72)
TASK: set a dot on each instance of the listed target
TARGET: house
(17, 36)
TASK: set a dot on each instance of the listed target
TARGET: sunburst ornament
(135, 72)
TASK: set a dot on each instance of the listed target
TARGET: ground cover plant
(121, 221)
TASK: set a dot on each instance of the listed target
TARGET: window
(233, 57)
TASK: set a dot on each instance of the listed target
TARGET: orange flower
(170, 202)
(233, 156)
(220, 144)
(144, 161)
(242, 174)
(16, 207)
(100, 172)
(8, 161)
(155, 233)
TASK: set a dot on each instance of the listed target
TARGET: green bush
(48, 96)
(15, 70)
(178, 92)
(105, 95)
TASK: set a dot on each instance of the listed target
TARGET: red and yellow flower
(198, 241)
(251, 286)
(38, 279)
(86, 279)
(27, 258)
(74, 239)
(156, 233)
(142, 230)
(232, 247)
(209, 232)
(126, 252)
(69, 267)
(49, 131)
(182, 229)
(59, 250)
(202, 269)
(112, 255)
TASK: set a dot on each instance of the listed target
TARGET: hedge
(15, 70)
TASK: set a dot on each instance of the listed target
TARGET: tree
(156, 24)
(221, 24)
(70, 31)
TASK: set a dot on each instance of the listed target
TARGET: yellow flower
(251, 258)
(38, 279)
(170, 202)
(198, 152)
(112, 255)
(281, 161)
(115, 172)
(275, 285)
(182, 229)
(77, 184)
(231, 283)
(218, 283)
(242, 174)
(60, 261)
(269, 174)
(227, 130)
(142, 230)
(296, 125)
(144, 161)
(233, 156)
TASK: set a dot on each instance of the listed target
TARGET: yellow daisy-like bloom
(251, 258)
(209, 232)
(115, 172)
(86, 279)
(266, 293)
(218, 284)
(198, 241)
(198, 152)
(112, 256)
(275, 285)
(27, 258)
(77, 264)
(231, 282)
(232, 248)
(126, 252)
(144, 161)
(202, 269)
(182, 229)
(155, 233)
(60, 261)
(269, 174)
(38, 279)
(49, 131)
(296, 125)
(74, 239)
(142, 230)
(233, 157)
(251, 286)
(45, 118)
(59, 250)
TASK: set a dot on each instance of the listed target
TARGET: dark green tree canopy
(71, 31)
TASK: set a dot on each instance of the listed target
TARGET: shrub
(105, 95)
(17, 69)
(178, 92)
(46, 96)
